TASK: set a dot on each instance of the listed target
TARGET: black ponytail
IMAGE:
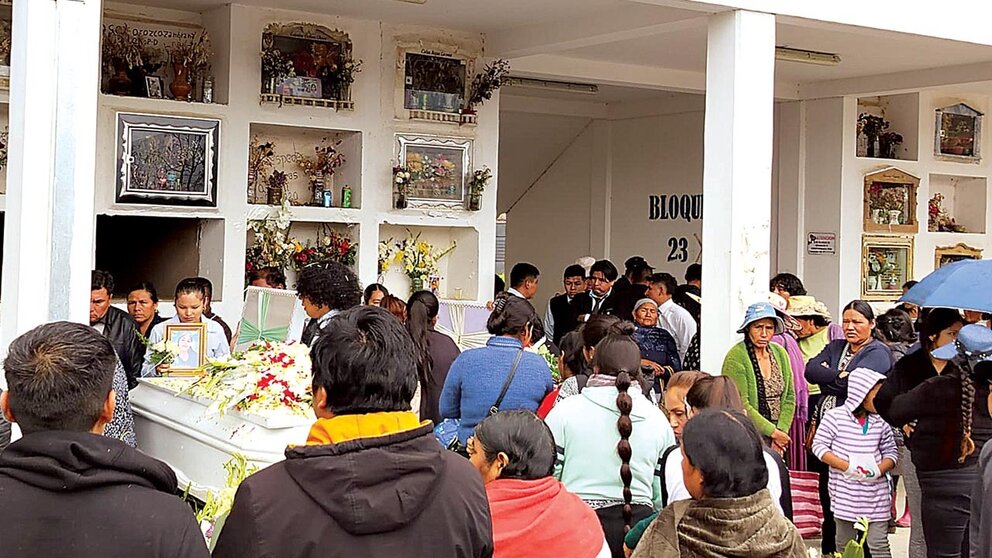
(618, 355)
(420, 313)
(967, 410)
(626, 427)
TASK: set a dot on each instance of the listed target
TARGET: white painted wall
(594, 200)
(236, 32)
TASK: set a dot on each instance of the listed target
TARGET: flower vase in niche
(872, 282)
(180, 86)
(878, 216)
(274, 195)
(416, 285)
(474, 202)
(400, 201)
(894, 215)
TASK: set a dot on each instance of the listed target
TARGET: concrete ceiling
(633, 45)
(468, 15)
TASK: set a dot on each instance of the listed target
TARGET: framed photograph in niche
(167, 160)
(944, 255)
(887, 263)
(433, 82)
(890, 201)
(439, 168)
(958, 134)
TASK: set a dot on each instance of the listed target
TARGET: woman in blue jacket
(476, 378)
(858, 349)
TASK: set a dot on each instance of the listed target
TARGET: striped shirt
(842, 434)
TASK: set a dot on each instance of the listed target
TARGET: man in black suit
(558, 319)
(601, 299)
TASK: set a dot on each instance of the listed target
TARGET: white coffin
(179, 430)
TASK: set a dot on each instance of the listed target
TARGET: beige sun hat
(805, 306)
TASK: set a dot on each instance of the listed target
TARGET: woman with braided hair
(610, 439)
(932, 395)
(763, 374)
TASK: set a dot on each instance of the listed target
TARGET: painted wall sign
(821, 243)
(674, 207)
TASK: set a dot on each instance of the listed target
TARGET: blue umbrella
(966, 285)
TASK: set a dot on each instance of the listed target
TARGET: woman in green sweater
(762, 372)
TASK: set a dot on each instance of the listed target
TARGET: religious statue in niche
(958, 133)
(307, 61)
(938, 218)
(434, 83)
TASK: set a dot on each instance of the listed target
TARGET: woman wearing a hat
(762, 372)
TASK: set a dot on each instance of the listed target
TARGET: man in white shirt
(672, 317)
(523, 280)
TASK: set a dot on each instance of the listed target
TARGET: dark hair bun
(622, 328)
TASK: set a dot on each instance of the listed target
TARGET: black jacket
(444, 351)
(88, 496)
(399, 495)
(915, 392)
(121, 330)
(564, 322)
(583, 303)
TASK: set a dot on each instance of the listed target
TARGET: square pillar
(737, 170)
(48, 241)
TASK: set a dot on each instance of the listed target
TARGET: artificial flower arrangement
(418, 258)
(267, 378)
(485, 84)
(276, 66)
(327, 160)
(938, 218)
(217, 506)
(259, 160)
(401, 179)
(272, 246)
(476, 185)
(330, 246)
(194, 56)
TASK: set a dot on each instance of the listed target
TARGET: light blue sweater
(585, 430)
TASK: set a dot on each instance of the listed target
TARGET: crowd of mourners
(422, 450)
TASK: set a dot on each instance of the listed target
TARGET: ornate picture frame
(958, 134)
(320, 57)
(890, 201)
(440, 167)
(886, 265)
(167, 160)
(943, 255)
(433, 76)
(192, 342)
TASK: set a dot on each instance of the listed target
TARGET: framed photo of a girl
(192, 342)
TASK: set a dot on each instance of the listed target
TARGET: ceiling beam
(551, 66)
(920, 17)
(543, 105)
(898, 82)
(630, 21)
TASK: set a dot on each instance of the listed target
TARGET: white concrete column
(48, 240)
(740, 71)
